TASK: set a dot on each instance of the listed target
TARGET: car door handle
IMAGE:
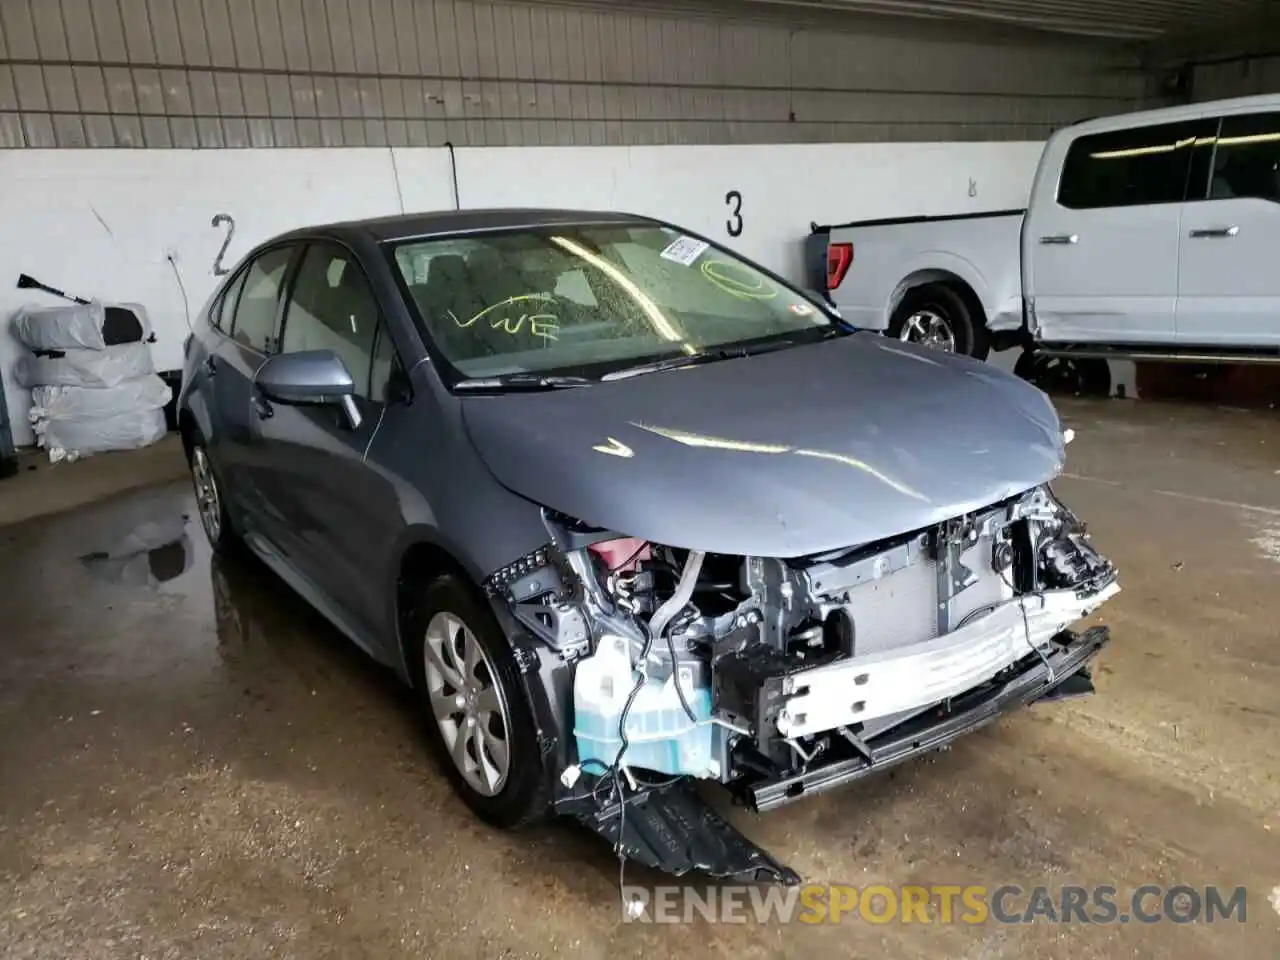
(262, 407)
(1061, 238)
(211, 367)
(1215, 232)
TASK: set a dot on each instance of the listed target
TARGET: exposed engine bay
(776, 677)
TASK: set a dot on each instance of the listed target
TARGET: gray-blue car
(629, 511)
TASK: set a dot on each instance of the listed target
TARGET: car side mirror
(309, 377)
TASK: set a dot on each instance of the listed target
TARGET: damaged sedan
(631, 513)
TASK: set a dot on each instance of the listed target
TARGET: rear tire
(473, 705)
(935, 315)
(211, 501)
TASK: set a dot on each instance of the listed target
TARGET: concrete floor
(41, 487)
(200, 766)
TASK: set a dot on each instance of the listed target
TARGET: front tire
(935, 316)
(473, 704)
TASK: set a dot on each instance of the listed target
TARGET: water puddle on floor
(149, 544)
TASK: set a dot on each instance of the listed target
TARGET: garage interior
(193, 762)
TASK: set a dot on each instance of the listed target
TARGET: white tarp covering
(84, 403)
(69, 326)
(96, 387)
(75, 437)
(85, 368)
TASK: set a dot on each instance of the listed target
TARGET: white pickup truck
(1148, 236)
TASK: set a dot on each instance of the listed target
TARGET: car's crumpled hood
(783, 454)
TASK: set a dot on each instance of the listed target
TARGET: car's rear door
(1102, 243)
(1228, 284)
(312, 467)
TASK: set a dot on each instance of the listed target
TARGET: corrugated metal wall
(1236, 78)
(263, 73)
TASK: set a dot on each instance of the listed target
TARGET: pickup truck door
(1228, 283)
(1100, 246)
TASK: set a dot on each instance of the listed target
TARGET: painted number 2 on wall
(733, 199)
(223, 220)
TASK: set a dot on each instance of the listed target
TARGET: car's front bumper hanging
(673, 829)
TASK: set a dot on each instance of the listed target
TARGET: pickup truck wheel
(473, 704)
(936, 316)
(1078, 376)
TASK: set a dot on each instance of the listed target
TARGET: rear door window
(1135, 167)
(256, 309)
(1247, 160)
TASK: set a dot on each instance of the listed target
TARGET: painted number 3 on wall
(223, 220)
(733, 199)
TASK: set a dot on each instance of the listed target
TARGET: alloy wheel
(930, 329)
(468, 703)
(208, 498)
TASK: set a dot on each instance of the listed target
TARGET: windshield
(591, 299)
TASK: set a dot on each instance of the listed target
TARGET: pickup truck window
(1142, 165)
(1247, 161)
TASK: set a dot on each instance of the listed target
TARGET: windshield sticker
(801, 309)
(685, 250)
(511, 322)
(739, 280)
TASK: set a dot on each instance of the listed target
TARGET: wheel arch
(193, 421)
(424, 555)
(965, 285)
(187, 428)
(421, 557)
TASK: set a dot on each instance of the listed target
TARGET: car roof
(454, 222)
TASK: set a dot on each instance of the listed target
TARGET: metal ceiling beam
(1141, 21)
(1066, 17)
(871, 17)
(1244, 38)
(1166, 32)
(1110, 19)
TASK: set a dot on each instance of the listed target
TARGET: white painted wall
(100, 223)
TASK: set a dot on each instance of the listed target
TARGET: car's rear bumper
(1062, 672)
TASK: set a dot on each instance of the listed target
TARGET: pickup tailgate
(867, 265)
